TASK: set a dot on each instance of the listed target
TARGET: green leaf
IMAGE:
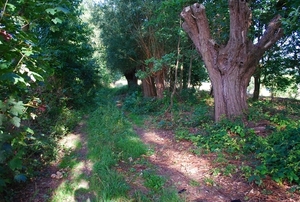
(15, 163)
(57, 20)
(29, 130)
(27, 51)
(54, 28)
(11, 6)
(3, 106)
(51, 11)
(17, 108)
(2, 118)
(4, 65)
(16, 121)
(12, 77)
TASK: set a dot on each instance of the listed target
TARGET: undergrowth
(274, 152)
(27, 150)
(111, 141)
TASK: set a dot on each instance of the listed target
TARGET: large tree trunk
(148, 87)
(231, 66)
(131, 79)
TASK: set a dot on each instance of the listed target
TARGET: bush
(280, 155)
(138, 104)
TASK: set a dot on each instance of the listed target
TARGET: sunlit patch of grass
(111, 139)
(111, 142)
(65, 192)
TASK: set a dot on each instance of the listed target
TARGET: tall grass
(110, 140)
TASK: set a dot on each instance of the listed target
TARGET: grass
(111, 141)
(273, 152)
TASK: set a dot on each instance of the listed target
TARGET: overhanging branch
(272, 34)
(196, 25)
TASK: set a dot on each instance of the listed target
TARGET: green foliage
(138, 104)
(111, 140)
(45, 69)
(66, 121)
(274, 154)
(153, 181)
(280, 155)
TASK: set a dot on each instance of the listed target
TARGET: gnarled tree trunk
(148, 87)
(231, 66)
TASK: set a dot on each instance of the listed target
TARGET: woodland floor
(191, 174)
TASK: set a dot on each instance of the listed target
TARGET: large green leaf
(57, 20)
(4, 65)
(16, 121)
(51, 11)
(17, 109)
(27, 51)
(15, 163)
(3, 106)
(12, 77)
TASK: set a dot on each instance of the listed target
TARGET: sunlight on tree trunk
(148, 87)
(230, 66)
(160, 83)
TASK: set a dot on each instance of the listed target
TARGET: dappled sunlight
(83, 167)
(83, 184)
(188, 171)
(70, 141)
(75, 185)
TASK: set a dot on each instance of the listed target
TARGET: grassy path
(106, 159)
(101, 161)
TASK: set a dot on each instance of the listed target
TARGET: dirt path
(43, 187)
(193, 177)
(191, 174)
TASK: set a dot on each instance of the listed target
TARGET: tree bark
(148, 87)
(160, 83)
(231, 66)
(257, 82)
(190, 72)
(131, 79)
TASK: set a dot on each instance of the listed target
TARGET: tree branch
(196, 25)
(240, 21)
(272, 34)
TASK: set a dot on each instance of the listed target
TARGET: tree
(281, 64)
(118, 38)
(274, 70)
(230, 66)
